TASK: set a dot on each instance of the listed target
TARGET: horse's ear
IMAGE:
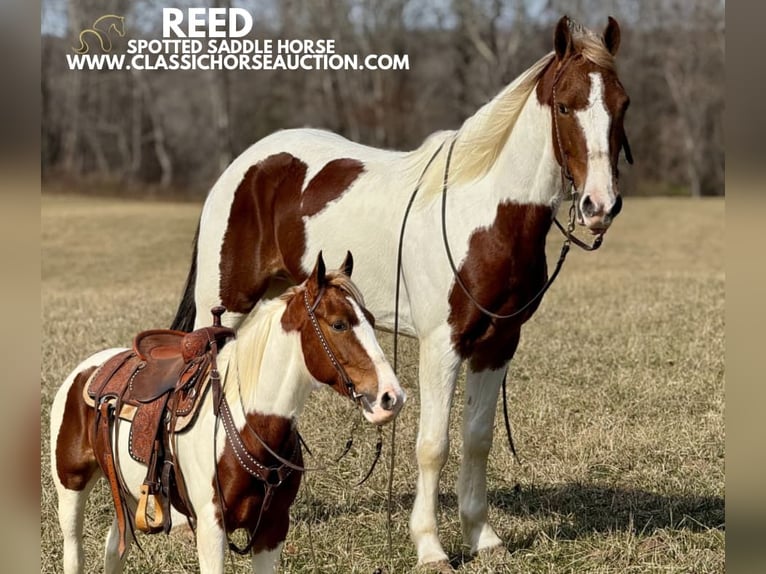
(562, 38)
(612, 36)
(318, 275)
(348, 264)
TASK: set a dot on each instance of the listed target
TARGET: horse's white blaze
(387, 381)
(595, 122)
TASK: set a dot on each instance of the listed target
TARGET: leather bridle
(358, 398)
(567, 181)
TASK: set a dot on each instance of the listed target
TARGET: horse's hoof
(439, 567)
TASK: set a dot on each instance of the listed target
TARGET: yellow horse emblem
(101, 29)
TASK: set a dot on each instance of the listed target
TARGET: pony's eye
(339, 326)
(563, 109)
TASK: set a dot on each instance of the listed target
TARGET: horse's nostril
(617, 207)
(588, 208)
(387, 401)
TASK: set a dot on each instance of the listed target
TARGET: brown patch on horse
(505, 267)
(329, 184)
(75, 460)
(243, 494)
(265, 236)
(250, 253)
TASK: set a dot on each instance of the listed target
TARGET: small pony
(239, 460)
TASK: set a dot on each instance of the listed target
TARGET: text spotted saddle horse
(157, 386)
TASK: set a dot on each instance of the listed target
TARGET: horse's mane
(482, 136)
(249, 348)
(591, 46)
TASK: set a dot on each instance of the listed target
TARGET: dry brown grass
(616, 400)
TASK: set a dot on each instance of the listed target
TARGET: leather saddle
(157, 386)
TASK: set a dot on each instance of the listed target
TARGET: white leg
(113, 564)
(438, 371)
(211, 541)
(481, 395)
(266, 561)
(71, 506)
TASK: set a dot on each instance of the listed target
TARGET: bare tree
(183, 128)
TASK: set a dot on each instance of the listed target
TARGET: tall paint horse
(316, 332)
(298, 191)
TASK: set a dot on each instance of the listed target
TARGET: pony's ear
(348, 264)
(318, 275)
(612, 36)
(562, 38)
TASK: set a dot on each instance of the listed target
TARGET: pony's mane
(335, 278)
(482, 136)
(249, 348)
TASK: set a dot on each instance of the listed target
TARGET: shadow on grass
(572, 510)
(602, 508)
(583, 507)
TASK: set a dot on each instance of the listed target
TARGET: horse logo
(101, 29)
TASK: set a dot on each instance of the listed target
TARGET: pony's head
(587, 105)
(338, 342)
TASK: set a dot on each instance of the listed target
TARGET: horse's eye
(339, 326)
(563, 109)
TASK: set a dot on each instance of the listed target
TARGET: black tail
(187, 308)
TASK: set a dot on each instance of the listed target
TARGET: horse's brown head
(587, 105)
(338, 341)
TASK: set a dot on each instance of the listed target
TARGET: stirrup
(144, 522)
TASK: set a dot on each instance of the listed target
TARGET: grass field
(616, 391)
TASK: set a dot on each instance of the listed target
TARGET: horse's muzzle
(596, 215)
(387, 405)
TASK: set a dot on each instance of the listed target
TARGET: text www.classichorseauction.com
(214, 39)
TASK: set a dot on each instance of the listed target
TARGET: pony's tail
(187, 308)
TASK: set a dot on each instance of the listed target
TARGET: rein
(562, 256)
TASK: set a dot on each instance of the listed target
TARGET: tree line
(175, 131)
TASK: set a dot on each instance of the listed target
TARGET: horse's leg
(481, 394)
(438, 371)
(71, 511)
(113, 564)
(211, 540)
(266, 560)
